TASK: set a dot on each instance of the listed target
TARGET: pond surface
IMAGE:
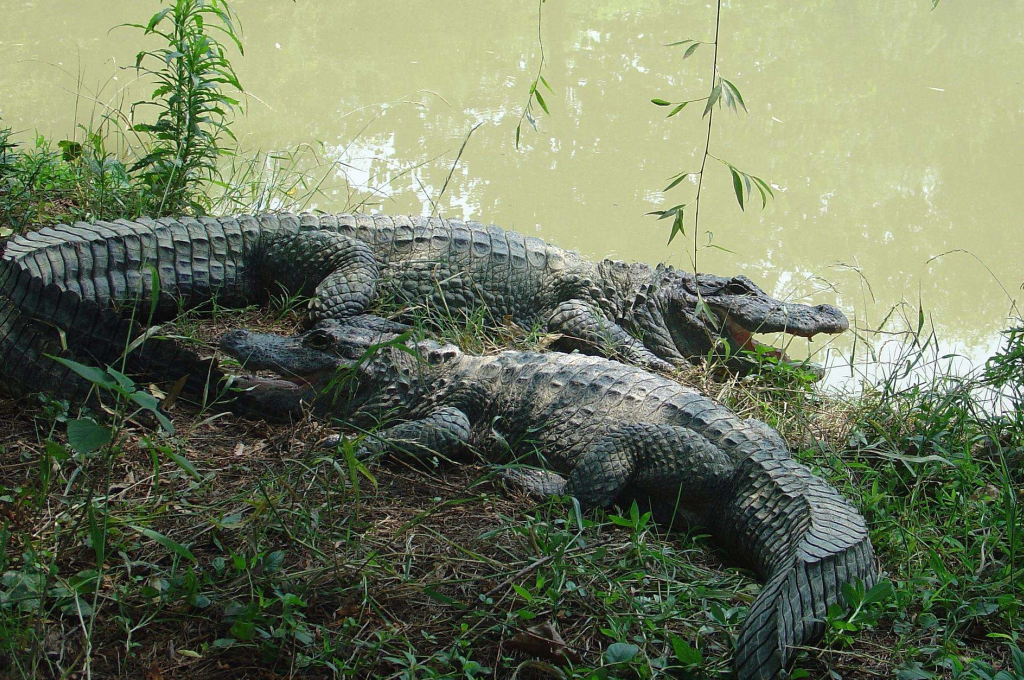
(891, 132)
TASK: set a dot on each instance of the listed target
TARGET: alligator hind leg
(665, 462)
(444, 433)
(577, 320)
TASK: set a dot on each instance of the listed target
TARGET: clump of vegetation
(178, 166)
(192, 72)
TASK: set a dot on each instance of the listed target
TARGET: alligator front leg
(339, 273)
(578, 320)
(444, 433)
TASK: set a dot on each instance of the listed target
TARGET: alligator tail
(807, 540)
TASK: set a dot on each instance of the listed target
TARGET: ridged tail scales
(91, 287)
(806, 540)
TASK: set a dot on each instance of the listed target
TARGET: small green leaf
(545, 84)
(680, 42)
(690, 50)
(185, 464)
(85, 435)
(685, 653)
(661, 102)
(243, 630)
(620, 652)
(169, 543)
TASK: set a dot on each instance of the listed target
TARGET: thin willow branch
(707, 141)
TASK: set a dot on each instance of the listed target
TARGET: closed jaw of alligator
(303, 364)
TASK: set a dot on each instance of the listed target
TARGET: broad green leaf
(169, 543)
(85, 435)
(97, 376)
(1018, 660)
(880, 592)
(620, 652)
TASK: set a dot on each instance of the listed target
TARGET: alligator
(86, 290)
(603, 431)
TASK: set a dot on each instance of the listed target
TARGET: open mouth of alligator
(742, 340)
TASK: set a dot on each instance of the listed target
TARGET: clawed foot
(539, 484)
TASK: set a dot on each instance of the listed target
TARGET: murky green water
(892, 133)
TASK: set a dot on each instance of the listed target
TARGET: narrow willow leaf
(169, 543)
(660, 102)
(690, 50)
(764, 198)
(764, 185)
(680, 42)
(677, 227)
(736, 93)
(712, 99)
(665, 214)
(677, 180)
(737, 185)
(677, 109)
(540, 100)
(727, 97)
(544, 82)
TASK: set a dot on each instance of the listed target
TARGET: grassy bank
(227, 548)
(233, 547)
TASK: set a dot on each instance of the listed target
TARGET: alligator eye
(318, 340)
(737, 288)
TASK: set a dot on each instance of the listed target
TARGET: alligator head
(686, 315)
(337, 363)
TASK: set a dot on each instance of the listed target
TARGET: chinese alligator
(605, 431)
(85, 290)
